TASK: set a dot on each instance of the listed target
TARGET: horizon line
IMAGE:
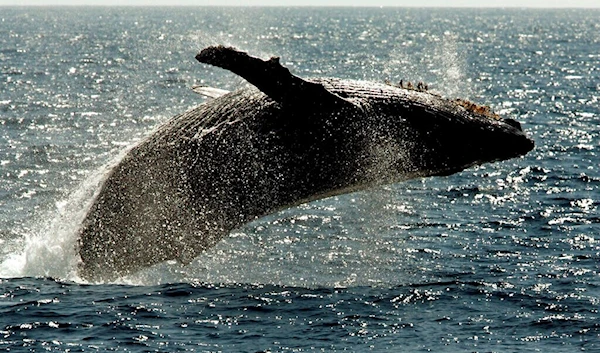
(316, 6)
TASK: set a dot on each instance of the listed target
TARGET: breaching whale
(281, 142)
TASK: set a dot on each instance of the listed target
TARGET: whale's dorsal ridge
(273, 79)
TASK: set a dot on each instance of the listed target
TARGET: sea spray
(442, 66)
(49, 246)
(450, 69)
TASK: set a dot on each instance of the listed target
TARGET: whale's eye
(513, 123)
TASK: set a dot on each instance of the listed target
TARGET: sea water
(499, 258)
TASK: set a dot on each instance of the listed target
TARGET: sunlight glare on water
(501, 257)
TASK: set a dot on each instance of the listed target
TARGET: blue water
(498, 258)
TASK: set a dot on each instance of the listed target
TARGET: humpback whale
(277, 143)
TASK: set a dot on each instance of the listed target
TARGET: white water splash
(49, 248)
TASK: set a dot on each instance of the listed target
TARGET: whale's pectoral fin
(272, 78)
(209, 92)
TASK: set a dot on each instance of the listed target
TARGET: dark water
(499, 258)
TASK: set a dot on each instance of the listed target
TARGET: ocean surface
(499, 258)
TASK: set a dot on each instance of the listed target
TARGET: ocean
(503, 257)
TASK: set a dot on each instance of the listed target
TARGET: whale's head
(388, 134)
(406, 133)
